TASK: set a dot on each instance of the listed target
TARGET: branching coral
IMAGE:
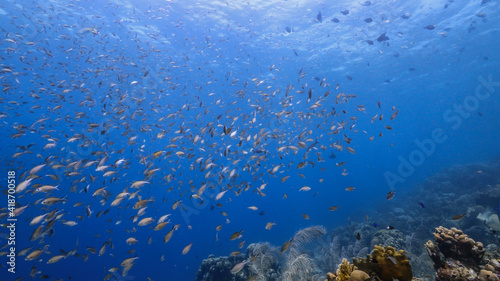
(344, 273)
(345, 270)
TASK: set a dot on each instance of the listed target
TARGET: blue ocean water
(231, 96)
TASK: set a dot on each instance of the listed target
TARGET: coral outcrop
(459, 258)
(386, 263)
(454, 244)
(347, 272)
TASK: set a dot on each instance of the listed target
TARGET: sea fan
(258, 248)
(299, 265)
(358, 250)
(298, 268)
(265, 259)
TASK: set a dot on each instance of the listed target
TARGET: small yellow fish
(138, 184)
(55, 259)
(236, 235)
(53, 200)
(458, 217)
(187, 249)
(145, 221)
(219, 196)
(128, 261)
(161, 225)
(286, 246)
(305, 188)
(168, 236)
(131, 241)
(269, 225)
(175, 205)
(238, 267)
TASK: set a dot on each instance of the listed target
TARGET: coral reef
(454, 244)
(262, 263)
(458, 257)
(386, 263)
(300, 264)
(406, 224)
(219, 268)
(392, 237)
(344, 271)
(265, 261)
(347, 272)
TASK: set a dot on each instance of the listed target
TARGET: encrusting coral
(387, 263)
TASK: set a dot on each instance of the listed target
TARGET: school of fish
(103, 135)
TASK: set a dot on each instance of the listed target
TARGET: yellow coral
(345, 270)
(387, 263)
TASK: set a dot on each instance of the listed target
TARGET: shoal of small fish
(88, 129)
